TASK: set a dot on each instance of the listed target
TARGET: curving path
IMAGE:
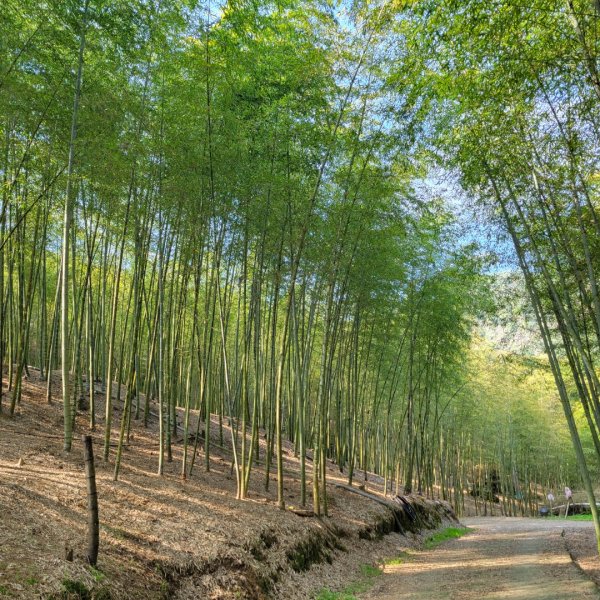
(504, 558)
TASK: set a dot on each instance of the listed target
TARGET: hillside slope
(162, 537)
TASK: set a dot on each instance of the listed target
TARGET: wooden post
(93, 537)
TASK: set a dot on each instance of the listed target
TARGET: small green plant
(447, 534)
(4, 590)
(98, 575)
(164, 589)
(77, 589)
(328, 595)
(397, 560)
(370, 571)
(31, 581)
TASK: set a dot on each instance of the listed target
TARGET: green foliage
(511, 403)
(98, 575)
(397, 560)
(258, 161)
(369, 571)
(583, 517)
(449, 533)
(508, 109)
(76, 589)
(253, 233)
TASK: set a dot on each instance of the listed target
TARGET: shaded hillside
(162, 537)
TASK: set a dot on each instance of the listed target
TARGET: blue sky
(475, 223)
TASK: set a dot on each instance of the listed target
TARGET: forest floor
(163, 537)
(517, 558)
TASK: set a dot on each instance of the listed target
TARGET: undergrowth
(77, 590)
(397, 560)
(447, 534)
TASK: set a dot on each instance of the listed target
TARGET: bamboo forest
(292, 279)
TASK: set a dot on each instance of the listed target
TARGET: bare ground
(163, 537)
(516, 558)
(583, 549)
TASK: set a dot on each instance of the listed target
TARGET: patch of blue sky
(474, 221)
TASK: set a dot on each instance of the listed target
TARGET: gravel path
(520, 559)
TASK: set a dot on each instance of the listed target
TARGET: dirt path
(520, 559)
